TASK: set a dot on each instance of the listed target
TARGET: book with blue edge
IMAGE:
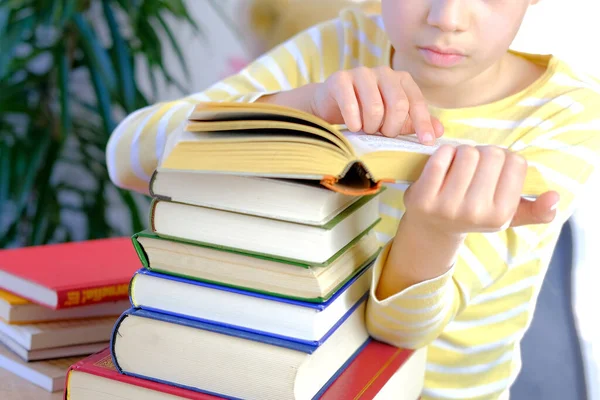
(217, 359)
(301, 321)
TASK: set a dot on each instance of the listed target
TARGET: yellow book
(15, 310)
(269, 140)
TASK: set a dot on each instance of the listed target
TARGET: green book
(258, 272)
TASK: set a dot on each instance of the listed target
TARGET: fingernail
(427, 138)
(554, 206)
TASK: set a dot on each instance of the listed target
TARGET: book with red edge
(70, 274)
(378, 370)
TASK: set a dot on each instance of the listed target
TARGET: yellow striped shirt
(473, 317)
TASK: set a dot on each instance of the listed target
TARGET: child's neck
(509, 76)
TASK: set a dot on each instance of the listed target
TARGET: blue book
(232, 363)
(306, 323)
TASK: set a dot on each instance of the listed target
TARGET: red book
(378, 368)
(70, 274)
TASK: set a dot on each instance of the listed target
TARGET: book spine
(139, 249)
(366, 375)
(69, 298)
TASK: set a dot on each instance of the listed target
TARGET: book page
(364, 143)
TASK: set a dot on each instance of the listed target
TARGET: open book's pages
(268, 140)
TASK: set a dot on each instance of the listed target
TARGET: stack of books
(59, 303)
(251, 287)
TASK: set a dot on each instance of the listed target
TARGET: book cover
(101, 364)
(362, 379)
(318, 307)
(70, 274)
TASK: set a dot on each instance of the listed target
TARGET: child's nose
(448, 15)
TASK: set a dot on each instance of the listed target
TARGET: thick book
(378, 372)
(302, 201)
(70, 274)
(272, 237)
(16, 310)
(304, 322)
(269, 140)
(254, 272)
(47, 374)
(219, 360)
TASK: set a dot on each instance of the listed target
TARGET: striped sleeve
(135, 147)
(566, 151)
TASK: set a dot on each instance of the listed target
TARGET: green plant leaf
(63, 86)
(125, 70)
(96, 54)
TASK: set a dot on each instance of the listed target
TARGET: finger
(345, 97)
(540, 211)
(460, 174)
(436, 170)
(369, 100)
(510, 183)
(438, 128)
(396, 106)
(489, 168)
(418, 111)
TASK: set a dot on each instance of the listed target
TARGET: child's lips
(442, 57)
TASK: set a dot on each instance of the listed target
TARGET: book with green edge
(262, 273)
(290, 241)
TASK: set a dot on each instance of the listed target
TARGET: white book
(57, 334)
(301, 201)
(49, 374)
(263, 314)
(275, 238)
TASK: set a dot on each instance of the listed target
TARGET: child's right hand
(376, 100)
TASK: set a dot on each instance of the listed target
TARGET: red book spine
(68, 298)
(101, 364)
(368, 372)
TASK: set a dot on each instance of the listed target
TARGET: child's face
(477, 33)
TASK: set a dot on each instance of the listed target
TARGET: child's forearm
(417, 254)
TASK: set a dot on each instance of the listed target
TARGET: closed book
(56, 334)
(215, 359)
(50, 353)
(302, 201)
(314, 282)
(305, 322)
(47, 374)
(16, 310)
(272, 237)
(378, 372)
(70, 274)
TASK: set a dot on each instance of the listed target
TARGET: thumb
(540, 211)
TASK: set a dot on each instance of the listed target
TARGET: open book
(261, 139)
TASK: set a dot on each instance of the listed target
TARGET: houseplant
(66, 75)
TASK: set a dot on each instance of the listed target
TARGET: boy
(464, 255)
